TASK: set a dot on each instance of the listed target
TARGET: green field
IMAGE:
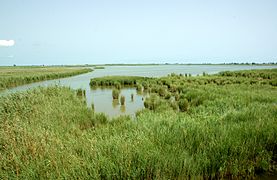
(15, 76)
(211, 126)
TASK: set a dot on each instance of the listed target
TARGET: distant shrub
(115, 93)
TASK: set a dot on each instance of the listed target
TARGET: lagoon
(102, 98)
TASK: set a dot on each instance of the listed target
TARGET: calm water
(102, 98)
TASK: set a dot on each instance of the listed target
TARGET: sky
(36, 32)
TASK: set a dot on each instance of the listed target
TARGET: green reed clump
(123, 80)
(273, 82)
(117, 85)
(174, 105)
(115, 93)
(99, 67)
(81, 92)
(261, 73)
(183, 105)
(145, 85)
(101, 118)
(162, 91)
(139, 87)
(152, 102)
(167, 95)
(15, 76)
(122, 100)
(92, 107)
(177, 96)
(132, 97)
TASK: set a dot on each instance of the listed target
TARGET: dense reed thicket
(191, 130)
(115, 80)
(14, 76)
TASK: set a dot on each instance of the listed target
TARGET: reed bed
(15, 76)
(221, 131)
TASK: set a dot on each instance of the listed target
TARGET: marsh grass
(99, 67)
(15, 76)
(122, 100)
(115, 93)
(230, 132)
(132, 97)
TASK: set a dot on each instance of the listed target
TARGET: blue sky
(141, 31)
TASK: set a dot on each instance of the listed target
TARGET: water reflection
(115, 103)
(123, 108)
(103, 101)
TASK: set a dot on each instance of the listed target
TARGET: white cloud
(7, 43)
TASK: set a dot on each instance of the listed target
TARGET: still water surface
(102, 98)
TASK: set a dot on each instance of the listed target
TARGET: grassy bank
(226, 130)
(14, 76)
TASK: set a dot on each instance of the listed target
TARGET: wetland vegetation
(212, 126)
(14, 76)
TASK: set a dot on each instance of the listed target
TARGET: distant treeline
(150, 64)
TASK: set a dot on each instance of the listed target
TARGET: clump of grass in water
(115, 93)
(122, 100)
(92, 107)
(80, 92)
(132, 97)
